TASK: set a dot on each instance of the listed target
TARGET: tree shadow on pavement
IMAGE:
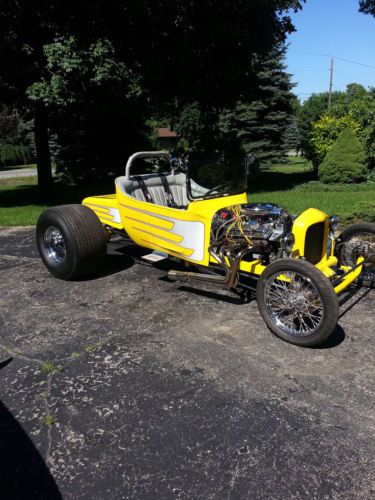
(23, 472)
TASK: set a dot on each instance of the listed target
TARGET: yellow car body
(200, 215)
(185, 233)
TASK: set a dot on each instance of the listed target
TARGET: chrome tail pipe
(228, 262)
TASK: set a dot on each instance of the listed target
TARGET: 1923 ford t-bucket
(203, 215)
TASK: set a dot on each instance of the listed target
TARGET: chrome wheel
(54, 244)
(293, 303)
(359, 245)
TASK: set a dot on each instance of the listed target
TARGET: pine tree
(292, 137)
(257, 126)
(345, 162)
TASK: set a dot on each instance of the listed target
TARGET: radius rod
(228, 262)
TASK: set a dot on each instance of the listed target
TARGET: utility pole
(330, 85)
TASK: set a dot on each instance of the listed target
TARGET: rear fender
(106, 208)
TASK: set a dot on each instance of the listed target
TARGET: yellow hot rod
(202, 214)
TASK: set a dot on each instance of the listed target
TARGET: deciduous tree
(182, 51)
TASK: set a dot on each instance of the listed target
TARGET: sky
(334, 28)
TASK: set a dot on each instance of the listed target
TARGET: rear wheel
(71, 241)
(356, 241)
(297, 302)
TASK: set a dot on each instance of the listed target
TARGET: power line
(355, 62)
(330, 89)
(336, 57)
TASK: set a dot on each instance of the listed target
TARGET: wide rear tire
(71, 241)
(297, 302)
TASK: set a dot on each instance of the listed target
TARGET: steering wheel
(216, 188)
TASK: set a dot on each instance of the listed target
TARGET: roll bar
(144, 154)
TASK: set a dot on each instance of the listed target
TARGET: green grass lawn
(16, 208)
(20, 203)
(295, 201)
(290, 185)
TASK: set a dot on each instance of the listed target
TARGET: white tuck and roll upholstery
(154, 184)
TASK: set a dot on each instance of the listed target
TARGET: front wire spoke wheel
(297, 302)
(302, 305)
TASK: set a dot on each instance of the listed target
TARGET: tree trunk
(43, 157)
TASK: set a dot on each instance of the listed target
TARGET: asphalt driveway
(130, 386)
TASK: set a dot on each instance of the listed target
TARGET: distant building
(167, 139)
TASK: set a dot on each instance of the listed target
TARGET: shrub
(325, 133)
(345, 162)
(365, 211)
(11, 154)
(371, 176)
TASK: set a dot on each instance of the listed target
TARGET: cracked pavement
(127, 385)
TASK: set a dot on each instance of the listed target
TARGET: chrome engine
(264, 221)
(259, 221)
(264, 227)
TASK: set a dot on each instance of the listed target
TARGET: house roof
(166, 132)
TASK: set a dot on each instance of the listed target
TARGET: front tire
(358, 240)
(71, 241)
(297, 302)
